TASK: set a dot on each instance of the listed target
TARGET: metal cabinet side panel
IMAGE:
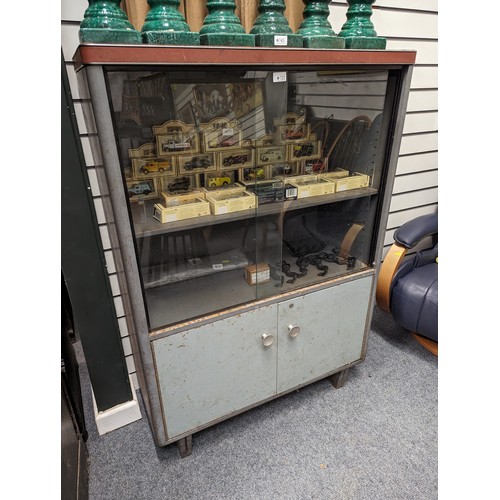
(119, 226)
(332, 329)
(399, 89)
(215, 370)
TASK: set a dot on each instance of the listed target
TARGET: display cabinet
(247, 192)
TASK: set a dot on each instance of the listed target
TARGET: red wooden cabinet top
(107, 54)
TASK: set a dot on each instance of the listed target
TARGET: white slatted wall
(71, 15)
(408, 24)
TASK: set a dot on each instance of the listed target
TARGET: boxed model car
(181, 207)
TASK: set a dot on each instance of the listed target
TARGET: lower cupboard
(214, 371)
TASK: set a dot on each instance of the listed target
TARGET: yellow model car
(154, 166)
(219, 181)
(256, 173)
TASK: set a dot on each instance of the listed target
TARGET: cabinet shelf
(233, 290)
(145, 225)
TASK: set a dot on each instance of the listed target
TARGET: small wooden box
(181, 207)
(312, 185)
(257, 273)
(225, 203)
(352, 182)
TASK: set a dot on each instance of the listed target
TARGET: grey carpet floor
(375, 438)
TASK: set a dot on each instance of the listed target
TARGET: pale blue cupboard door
(214, 370)
(321, 331)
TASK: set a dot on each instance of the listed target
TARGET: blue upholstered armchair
(408, 288)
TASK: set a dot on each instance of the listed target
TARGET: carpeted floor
(375, 438)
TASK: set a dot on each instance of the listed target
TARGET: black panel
(84, 270)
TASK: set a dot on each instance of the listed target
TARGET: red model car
(316, 166)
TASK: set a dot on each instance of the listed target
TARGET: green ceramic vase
(271, 28)
(316, 29)
(223, 27)
(105, 22)
(164, 24)
(358, 31)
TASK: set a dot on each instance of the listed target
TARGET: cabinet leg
(185, 446)
(339, 379)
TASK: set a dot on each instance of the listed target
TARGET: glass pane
(244, 183)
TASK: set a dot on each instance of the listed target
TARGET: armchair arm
(405, 237)
(389, 267)
(413, 231)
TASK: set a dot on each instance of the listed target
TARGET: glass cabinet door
(243, 183)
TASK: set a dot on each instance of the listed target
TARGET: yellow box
(173, 199)
(257, 273)
(223, 190)
(335, 174)
(225, 203)
(311, 185)
(354, 181)
(181, 207)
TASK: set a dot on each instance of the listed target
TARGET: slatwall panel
(327, 97)
(410, 25)
(72, 12)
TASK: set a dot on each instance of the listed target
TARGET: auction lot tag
(280, 40)
(279, 76)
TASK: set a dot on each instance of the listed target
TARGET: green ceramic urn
(271, 28)
(358, 31)
(105, 22)
(316, 29)
(223, 27)
(165, 25)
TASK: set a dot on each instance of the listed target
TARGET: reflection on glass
(242, 186)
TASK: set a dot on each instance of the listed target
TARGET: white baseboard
(119, 415)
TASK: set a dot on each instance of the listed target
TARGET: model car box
(181, 207)
(355, 181)
(173, 199)
(271, 191)
(335, 174)
(311, 185)
(233, 188)
(225, 203)
(236, 158)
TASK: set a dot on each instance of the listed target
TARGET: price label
(217, 267)
(227, 132)
(281, 40)
(279, 77)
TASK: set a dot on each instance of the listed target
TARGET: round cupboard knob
(293, 330)
(267, 339)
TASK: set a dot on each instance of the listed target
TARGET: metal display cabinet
(246, 192)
